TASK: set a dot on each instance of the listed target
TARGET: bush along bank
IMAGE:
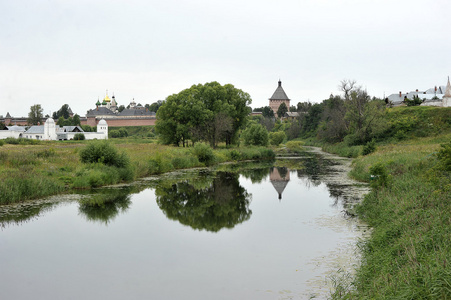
(409, 208)
(37, 170)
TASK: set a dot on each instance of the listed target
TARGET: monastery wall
(120, 122)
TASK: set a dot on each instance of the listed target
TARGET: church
(133, 115)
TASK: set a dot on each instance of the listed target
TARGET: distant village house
(437, 96)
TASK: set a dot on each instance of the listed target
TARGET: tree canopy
(62, 112)
(35, 114)
(205, 112)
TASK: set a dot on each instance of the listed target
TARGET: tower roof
(278, 181)
(8, 116)
(448, 89)
(279, 186)
(279, 94)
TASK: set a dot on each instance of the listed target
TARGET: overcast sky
(54, 52)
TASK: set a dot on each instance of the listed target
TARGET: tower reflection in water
(279, 177)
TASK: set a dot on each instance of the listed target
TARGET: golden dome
(107, 99)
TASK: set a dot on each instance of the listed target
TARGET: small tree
(283, 109)
(414, 102)
(35, 114)
(267, 112)
(79, 137)
(256, 135)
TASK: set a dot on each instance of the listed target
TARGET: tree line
(352, 117)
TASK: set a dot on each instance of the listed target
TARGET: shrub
(204, 153)
(379, 175)
(180, 162)
(105, 153)
(114, 134)
(400, 135)
(158, 165)
(444, 155)
(2, 143)
(87, 128)
(12, 141)
(256, 135)
(294, 146)
(370, 147)
(276, 138)
(123, 132)
(79, 137)
(235, 154)
(267, 153)
(118, 133)
(46, 153)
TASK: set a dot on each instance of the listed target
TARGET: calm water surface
(251, 231)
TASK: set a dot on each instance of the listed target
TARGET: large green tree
(35, 114)
(209, 112)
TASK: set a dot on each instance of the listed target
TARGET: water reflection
(105, 205)
(279, 177)
(284, 251)
(22, 213)
(215, 203)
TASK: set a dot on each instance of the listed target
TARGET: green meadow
(31, 169)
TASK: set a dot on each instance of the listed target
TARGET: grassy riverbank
(30, 171)
(409, 208)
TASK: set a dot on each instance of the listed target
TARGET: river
(273, 230)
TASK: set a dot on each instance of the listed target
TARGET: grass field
(409, 253)
(47, 168)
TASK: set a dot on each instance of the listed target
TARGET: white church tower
(50, 130)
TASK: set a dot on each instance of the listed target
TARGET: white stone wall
(9, 134)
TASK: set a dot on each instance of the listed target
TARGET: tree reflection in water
(219, 203)
(106, 205)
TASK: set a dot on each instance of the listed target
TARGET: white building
(438, 96)
(52, 132)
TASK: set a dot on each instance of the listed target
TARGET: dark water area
(273, 230)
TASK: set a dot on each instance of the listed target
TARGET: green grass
(48, 168)
(409, 253)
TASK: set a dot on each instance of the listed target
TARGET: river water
(247, 231)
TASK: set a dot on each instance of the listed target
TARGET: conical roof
(8, 116)
(448, 89)
(279, 94)
(279, 186)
